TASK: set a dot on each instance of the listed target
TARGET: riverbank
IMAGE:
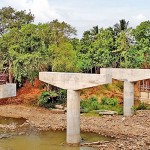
(128, 132)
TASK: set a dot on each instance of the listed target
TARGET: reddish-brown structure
(3, 78)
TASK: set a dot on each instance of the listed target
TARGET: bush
(43, 99)
(46, 99)
(109, 101)
(62, 96)
(90, 104)
(142, 106)
(50, 99)
(106, 104)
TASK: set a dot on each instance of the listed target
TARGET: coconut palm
(95, 30)
(121, 26)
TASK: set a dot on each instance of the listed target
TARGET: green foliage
(106, 104)
(142, 106)
(26, 48)
(49, 99)
(109, 101)
(11, 18)
(64, 58)
(121, 26)
(43, 99)
(62, 96)
(90, 104)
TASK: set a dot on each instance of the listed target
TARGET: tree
(122, 47)
(84, 60)
(95, 30)
(11, 18)
(121, 26)
(23, 52)
(64, 58)
(142, 45)
(101, 52)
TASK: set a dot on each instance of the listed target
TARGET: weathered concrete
(131, 75)
(7, 90)
(73, 117)
(128, 98)
(74, 82)
(128, 76)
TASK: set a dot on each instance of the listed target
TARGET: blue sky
(84, 14)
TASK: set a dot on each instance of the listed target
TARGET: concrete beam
(7, 90)
(74, 81)
(131, 75)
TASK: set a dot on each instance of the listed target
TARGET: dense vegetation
(106, 103)
(27, 48)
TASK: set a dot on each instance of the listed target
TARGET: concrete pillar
(73, 117)
(128, 98)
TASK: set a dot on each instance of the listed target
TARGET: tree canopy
(27, 48)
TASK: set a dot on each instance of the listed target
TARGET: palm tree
(121, 26)
(95, 30)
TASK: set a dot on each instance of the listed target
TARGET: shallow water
(43, 140)
(9, 120)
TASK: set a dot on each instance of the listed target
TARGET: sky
(84, 14)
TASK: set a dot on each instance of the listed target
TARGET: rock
(58, 111)
(59, 107)
(107, 112)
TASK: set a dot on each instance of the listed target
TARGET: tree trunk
(10, 73)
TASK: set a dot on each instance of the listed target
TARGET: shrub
(90, 104)
(109, 101)
(45, 97)
(49, 99)
(142, 106)
(62, 96)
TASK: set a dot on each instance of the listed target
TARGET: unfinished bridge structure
(74, 82)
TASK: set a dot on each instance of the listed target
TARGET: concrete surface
(128, 98)
(73, 117)
(7, 90)
(131, 75)
(74, 82)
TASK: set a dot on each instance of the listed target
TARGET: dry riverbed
(131, 133)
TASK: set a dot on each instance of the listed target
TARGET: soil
(128, 132)
(28, 94)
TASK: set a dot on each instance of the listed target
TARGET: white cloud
(83, 14)
(140, 17)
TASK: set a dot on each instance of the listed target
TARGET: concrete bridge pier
(128, 102)
(129, 76)
(73, 117)
(74, 83)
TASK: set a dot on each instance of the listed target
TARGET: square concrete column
(73, 117)
(128, 102)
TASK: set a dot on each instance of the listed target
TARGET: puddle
(32, 139)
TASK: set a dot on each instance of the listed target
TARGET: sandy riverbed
(129, 132)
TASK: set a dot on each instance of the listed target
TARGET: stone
(107, 112)
(59, 107)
